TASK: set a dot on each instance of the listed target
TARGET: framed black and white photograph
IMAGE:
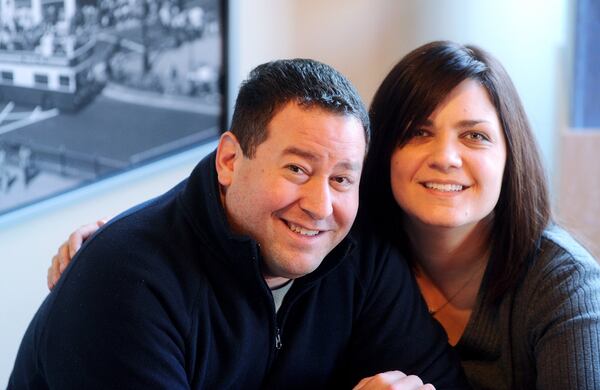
(93, 88)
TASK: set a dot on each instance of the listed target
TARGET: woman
(456, 181)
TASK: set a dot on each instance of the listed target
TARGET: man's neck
(275, 281)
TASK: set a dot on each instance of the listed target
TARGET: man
(242, 275)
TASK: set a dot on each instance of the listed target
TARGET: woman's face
(449, 174)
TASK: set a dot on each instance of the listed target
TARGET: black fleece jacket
(166, 296)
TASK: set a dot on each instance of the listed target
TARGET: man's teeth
(444, 187)
(301, 230)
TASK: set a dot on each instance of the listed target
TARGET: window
(41, 80)
(64, 81)
(585, 104)
(6, 77)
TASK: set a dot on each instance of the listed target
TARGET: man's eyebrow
(350, 165)
(300, 153)
(345, 164)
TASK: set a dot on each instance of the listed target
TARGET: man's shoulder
(135, 231)
(149, 244)
(135, 262)
(124, 292)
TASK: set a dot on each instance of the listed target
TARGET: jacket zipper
(278, 343)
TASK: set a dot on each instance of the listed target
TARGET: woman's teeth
(444, 187)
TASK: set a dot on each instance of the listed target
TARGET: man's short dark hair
(272, 85)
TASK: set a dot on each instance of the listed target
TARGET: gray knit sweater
(546, 333)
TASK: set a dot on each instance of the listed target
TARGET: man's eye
(342, 180)
(295, 168)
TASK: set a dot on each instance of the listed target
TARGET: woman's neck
(450, 263)
(447, 253)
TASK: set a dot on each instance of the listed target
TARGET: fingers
(80, 235)
(393, 380)
(68, 249)
(64, 255)
(53, 272)
(380, 381)
(76, 238)
(58, 264)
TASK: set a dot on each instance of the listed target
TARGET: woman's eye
(477, 136)
(420, 133)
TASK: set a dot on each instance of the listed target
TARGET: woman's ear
(228, 151)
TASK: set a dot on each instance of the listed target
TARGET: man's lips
(302, 230)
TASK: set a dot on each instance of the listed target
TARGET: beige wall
(365, 38)
(578, 206)
(360, 38)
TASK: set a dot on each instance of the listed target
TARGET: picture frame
(90, 89)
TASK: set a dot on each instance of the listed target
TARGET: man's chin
(295, 268)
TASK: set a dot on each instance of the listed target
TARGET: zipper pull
(278, 343)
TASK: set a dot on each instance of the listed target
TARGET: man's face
(298, 196)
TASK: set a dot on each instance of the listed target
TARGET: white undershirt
(279, 293)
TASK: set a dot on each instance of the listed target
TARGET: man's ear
(228, 151)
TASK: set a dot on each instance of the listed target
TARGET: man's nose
(316, 199)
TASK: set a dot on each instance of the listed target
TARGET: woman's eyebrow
(462, 123)
(470, 122)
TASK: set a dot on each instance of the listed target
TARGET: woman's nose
(445, 154)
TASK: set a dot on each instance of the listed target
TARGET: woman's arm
(564, 319)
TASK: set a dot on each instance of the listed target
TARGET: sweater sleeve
(565, 320)
(394, 331)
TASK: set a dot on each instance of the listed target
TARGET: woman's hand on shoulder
(68, 249)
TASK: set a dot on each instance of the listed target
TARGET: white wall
(363, 39)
